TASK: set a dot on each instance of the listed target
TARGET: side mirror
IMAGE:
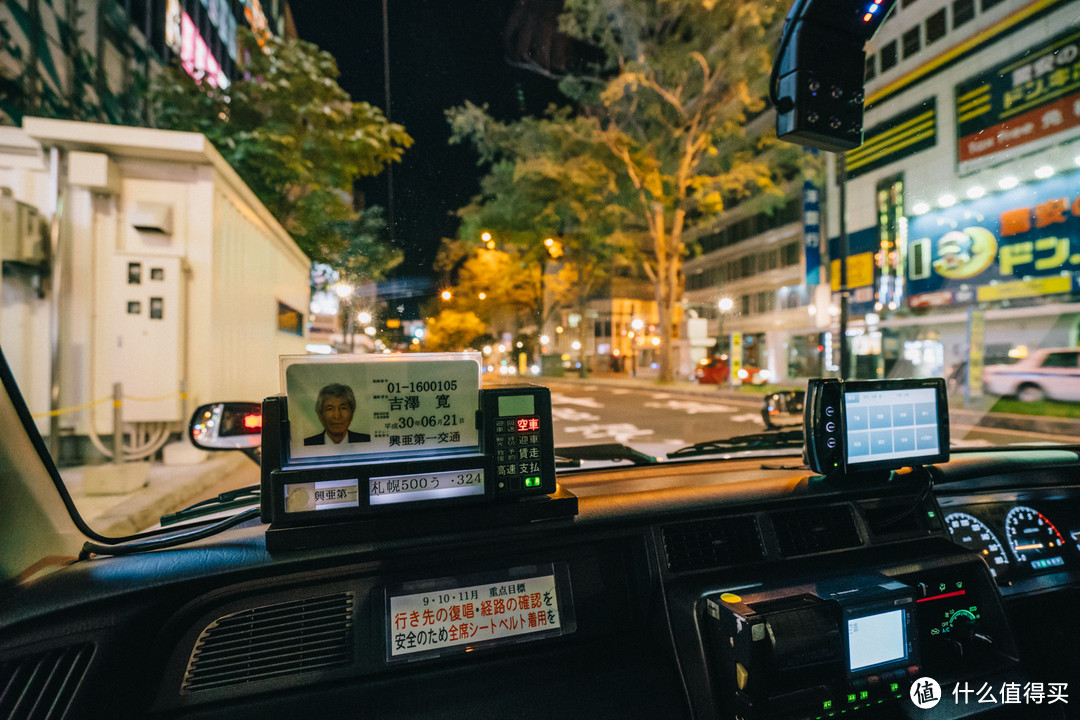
(228, 426)
(784, 408)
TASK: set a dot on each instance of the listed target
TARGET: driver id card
(380, 405)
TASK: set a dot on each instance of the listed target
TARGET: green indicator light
(864, 694)
(894, 687)
(532, 482)
(880, 701)
(827, 705)
(931, 513)
(851, 697)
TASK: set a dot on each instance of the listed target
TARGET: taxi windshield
(587, 195)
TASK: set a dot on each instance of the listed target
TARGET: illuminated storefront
(963, 203)
(1014, 246)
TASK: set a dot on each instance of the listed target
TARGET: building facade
(93, 59)
(963, 209)
(963, 213)
(759, 287)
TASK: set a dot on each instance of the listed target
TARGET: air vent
(814, 530)
(42, 687)
(712, 543)
(272, 641)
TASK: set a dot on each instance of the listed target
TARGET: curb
(169, 488)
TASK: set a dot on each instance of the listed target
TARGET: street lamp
(344, 292)
(636, 325)
(446, 295)
(364, 317)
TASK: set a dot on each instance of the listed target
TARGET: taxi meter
(389, 445)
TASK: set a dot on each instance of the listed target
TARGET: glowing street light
(725, 304)
(343, 290)
(482, 296)
(446, 295)
(364, 318)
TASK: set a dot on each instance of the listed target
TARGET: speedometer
(969, 531)
(1034, 539)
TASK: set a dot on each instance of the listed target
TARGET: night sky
(441, 53)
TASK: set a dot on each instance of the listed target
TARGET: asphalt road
(647, 419)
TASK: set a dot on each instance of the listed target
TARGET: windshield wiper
(603, 452)
(769, 440)
(241, 497)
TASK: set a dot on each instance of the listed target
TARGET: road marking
(557, 399)
(748, 417)
(619, 391)
(620, 432)
(660, 396)
(690, 407)
(572, 415)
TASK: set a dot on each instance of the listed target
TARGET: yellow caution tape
(115, 404)
(63, 411)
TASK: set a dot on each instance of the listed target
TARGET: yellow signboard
(976, 340)
(860, 271)
(1025, 288)
(736, 358)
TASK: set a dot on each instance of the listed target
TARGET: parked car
(715, 371)
(712, 371)
(956, 377)
(1052, 373)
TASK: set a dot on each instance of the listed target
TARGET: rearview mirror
(783, 408)
(227, 426)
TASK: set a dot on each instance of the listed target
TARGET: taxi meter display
(359, 436)
(857, 425)
(848, 642)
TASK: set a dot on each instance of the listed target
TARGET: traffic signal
(817, 78)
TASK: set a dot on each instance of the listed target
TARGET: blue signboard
(812, 232)
(1022, 243)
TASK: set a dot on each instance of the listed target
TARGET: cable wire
(92, 548)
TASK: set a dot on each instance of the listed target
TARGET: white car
(1052, 373)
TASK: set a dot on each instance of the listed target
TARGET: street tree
(453, 330)
(502, 286)
(553, 192)
(296, 138)
(671, 101)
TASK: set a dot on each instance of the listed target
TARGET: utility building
(139, 256)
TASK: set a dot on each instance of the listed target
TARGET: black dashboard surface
(127, 634)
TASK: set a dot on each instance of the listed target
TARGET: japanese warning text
(469, 615)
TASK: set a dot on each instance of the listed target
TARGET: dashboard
(639, 622)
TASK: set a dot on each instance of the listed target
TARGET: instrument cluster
(1018, 538)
